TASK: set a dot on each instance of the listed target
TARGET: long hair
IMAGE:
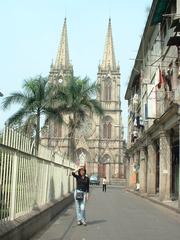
(80, 170)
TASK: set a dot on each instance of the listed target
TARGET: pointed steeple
(109, 61)
(62, 59)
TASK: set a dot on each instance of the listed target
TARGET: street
(115, 215)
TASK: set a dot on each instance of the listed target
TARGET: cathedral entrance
(103, 167)
(102, 170)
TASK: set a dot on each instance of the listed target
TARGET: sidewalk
(172, 205)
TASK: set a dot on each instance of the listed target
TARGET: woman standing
(81, 194)
(104, 184)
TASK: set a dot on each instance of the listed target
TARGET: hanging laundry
(138, 122)
(168, 76)
(135, 122)
(161, 79)
(135, 99)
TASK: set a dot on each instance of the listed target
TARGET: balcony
(109, 105)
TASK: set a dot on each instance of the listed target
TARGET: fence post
(12, 212)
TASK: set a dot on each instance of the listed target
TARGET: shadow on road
(96, 222)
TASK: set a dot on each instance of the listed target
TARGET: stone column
(143, 171)
(127, 167)
(132, 175)
(121, 171)
(151, 169)
(165, 166)
(137, 162)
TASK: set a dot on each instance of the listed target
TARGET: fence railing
(27, 181)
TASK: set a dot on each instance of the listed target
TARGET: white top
(104, 180)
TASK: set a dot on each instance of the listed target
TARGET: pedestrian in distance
(81, 194)
(104, 184)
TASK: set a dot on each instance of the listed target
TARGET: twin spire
(108, 62)
(62, 59)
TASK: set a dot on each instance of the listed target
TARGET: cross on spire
(109, 61)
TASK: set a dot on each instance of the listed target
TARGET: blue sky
(30, 35)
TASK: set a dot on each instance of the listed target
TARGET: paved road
(116, 215)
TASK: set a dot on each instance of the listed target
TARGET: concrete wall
(25, 227)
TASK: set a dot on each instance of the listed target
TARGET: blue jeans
(80, 207)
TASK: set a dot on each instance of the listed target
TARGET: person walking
(104, 184)
(81, 194)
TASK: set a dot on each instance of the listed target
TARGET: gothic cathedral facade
(99, 141)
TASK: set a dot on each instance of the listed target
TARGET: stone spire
(62, 59)
(109, 61)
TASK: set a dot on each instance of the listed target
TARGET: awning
(159, 11)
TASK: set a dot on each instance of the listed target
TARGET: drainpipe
(179, 156)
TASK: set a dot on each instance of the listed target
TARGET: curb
(155, 201)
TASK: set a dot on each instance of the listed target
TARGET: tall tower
(110, 125)
(54, 134)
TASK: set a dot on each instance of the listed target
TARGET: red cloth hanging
(161, 79)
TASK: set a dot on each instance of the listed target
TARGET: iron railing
(28, 181)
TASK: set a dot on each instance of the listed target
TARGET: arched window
(107, 92)
(109, 130)
(107, 127)
(104, 130)
(57, 130)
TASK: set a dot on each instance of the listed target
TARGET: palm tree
(34, 100)
(77, 99)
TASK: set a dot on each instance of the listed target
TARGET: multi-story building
(99, 140)
(153, 95)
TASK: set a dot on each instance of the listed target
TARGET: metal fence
(27, 181)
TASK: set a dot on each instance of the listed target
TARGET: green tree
(77, 99)
(35, 100)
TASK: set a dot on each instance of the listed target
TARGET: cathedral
(99, 141)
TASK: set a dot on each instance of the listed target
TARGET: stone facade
(99, 142)
(153, 96)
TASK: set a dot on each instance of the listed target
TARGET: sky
(31, 30)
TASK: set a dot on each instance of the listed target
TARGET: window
(107, 91)
(107, 128)
(104, 130)
(57, 130)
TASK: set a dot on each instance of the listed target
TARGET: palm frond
(54, 113)
(14, 98)
(97, 107)
(29, 125)
(18, 116)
